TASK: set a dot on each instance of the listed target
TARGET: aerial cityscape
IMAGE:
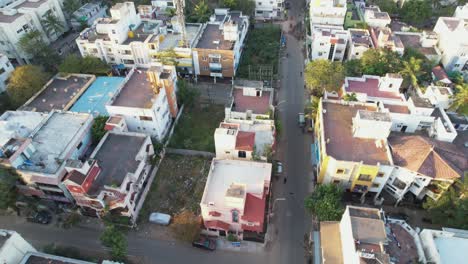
(234, 131)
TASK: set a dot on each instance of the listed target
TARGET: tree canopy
(199, 13)
(324, 75)
(33, 45)
(88, 64)
(8, 191)
(380, 62)
(460, 99)
(186, 93)
(52, 25)
(114, 239)
(246, 6)
(416, 11)
(97, 130)
(24, 82)
(325, 202)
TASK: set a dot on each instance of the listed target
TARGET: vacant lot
(196, 127)
(178, 185)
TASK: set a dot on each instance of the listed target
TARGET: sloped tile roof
(245, 141)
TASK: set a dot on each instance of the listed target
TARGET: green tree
(353, 68)
(325, 202)
(232, 4)
(246, 6)
(168, 57)
(412, 70)
(52, 25)
(8, 191)
(24, 82)
(460, 99)
(380, 62)
(88, 64)
(311, 108)
(114, 239)
(186, 93)
(350, 97)
(71, 6)
(33, 45)
(416, 11)
(201, 13)
(456, 77)
(186, 226)
(386, 6)
(97, 130)
(324, 75)
(170, 11)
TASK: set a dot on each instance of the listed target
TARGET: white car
(160, 218)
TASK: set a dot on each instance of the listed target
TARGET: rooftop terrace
(338, 135)
(137, 92)
(59, 93)
(370, 86)
(414, 41)
(30, 4)
(173, 40)
(18, 124)
(258, 104)
(212, 38)
(116, 157)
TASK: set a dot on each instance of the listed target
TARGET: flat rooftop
(414, 41)
(452, 249)
(257, 104)
(18, 124)
(330, 242)
(360, 37)
(224, 173)
(31, 4)
(116, 157)
(58, 93)
(137, 92)
(421, 102)
(399, 109)
(370, 86)
(142, 32)
(212, 38)
(42, 258)
(248, 83)
(172, 40)
(9, 19)
(401, 247)
(95, 98)
(52, 138)
(338, 125)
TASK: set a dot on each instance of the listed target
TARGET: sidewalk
(245, 246)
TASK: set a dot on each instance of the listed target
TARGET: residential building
(39, 257)
(460, 122)
(59, 93)
(384, 38)
(265, 9)
(423, 166)
(218, 51)
(373, 88)
(445, 246)
(163, 4)
(114, 177)
(235, 197)
(23, 16)
(38, 145)
(425, 43)
(245, 139)
(365, 235)
(440, 77)
(351, 146)
(328, 42)
(453, 43)
(87, 14)
(358, 43)
(461, 11)
(6, 68)
(127, 38)
(439, 96)
(13, 247)
(376, 18)
(147, 101)
(250, 101)
(327, 12)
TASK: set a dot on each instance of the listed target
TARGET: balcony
(216, 67)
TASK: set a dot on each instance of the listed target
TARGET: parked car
(301, 119)
(160, 218)
(278, 168)
(398, 216)
(205, 242)
(40, 217)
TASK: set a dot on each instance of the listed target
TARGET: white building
(115, 175)
(6, 68)
(439, 96)
(163, 4)
(87, 14)
(461, 11)
(266, 9)
(375, 18)
(245, 139)
(147, 101)
(250, 101)
(425, 43)
(13, 247)
(453, 43)
(38, 145)
(445, 246)
(358, 43)
(328, 42)
(327, 12)
(384, 38)
(364, 235)
(235, 195)
(24, 16)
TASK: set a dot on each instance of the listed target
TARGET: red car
(205, 242)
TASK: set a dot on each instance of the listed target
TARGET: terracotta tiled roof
(439, 73)
(245, 141)
(254, 209)
(217, 224)
(76, 177)
(421, 155)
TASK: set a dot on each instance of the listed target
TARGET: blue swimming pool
(95, 98)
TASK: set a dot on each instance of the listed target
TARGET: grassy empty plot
(196, 127)
(178, 185)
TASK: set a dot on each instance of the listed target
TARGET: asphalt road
(290, 221)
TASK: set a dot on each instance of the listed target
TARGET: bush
(232, 238)
(325, 202)
(186, 226)
(97, 130)
(114, 239)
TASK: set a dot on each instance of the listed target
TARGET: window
(380, 174)
(416, 185)
(259, 3)
(375, 185)
(113, 31)
(357, 54)
(242, 154)
(146, 118)
(336, 182)
(390, 85)
(364, 177)
(235, 216)
(340, 171)
(19, 31)
(227, 152)
(2, 70)
(204, 58)
(399, 184)
(321, 44)
(79, 145)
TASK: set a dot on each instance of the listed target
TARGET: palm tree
(412, 70)
(201, 12)
(350, 97)
(311, 108)
(51, 23)
(460, 99)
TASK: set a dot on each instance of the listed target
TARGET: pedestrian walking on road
(301, 73)
(285, 180)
